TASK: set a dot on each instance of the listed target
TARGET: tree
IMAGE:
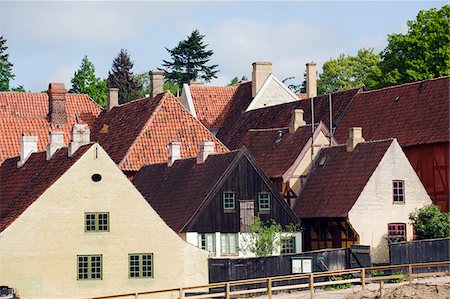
(346, 72)
(121, 77)
(300, 88)
(429, 223)
(85, 81)
(422, 53)
(236, 80)
(189, 61)
(144, 81)
(6, 73)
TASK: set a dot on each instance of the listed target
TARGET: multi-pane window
(96, 222)
(288, 245)
(397, 231)
(229, 199)
(264, 201)
(229, 243)
(89, 267)
(398, 191)
(207, 242)
(141, 265)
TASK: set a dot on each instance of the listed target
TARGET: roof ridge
(366, 141)
(407, 84)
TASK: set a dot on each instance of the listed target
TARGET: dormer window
(398, 188)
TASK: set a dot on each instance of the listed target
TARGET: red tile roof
(414, 113)
(27, 114)
(21, 187)
(137, 133)
(279, 116)
(332, 189)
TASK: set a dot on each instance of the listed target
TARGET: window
(398, 191)
(89, 267)
(264, 201)
(288, 245)
(96, 222)
(229, 199)
(141, 265)
(207, 242)
(229, 243)
(397, 231)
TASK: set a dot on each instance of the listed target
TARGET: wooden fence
(433, 250)
(309, 282)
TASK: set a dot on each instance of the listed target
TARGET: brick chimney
(56, 142)
(311, 79)
(80, 136)
(261, 71)
(206, 149)
(174, 152)
(57, 103)
(296, 120)
(354, 137)
(156, 83)
(113, 98)
(28, 146)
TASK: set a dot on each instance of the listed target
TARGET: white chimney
(354, 137)
(261, 71)
(174, 152)
(156, 83)
(80, 136)
(311, 79)
(28, 146)
(296, 120)
(56, 142)
(113, 98)
(207, 148)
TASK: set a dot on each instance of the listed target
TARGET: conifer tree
(5, 66)
(189, 61)
(121, 77)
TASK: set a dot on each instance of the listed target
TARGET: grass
(340, 286)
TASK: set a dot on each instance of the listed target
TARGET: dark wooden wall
(247, 183)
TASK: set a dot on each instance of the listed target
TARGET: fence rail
(298, 281)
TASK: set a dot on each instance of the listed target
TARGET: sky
(48, 39)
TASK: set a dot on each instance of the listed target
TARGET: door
(247, 212)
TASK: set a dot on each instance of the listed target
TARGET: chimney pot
(311, 79)
(28, 146)
(174, 152)
(261, 71)
(297, 120)
(113, 98)
(57, 103)
(156, 83)
(56, 141)
(80, 136)
(206, 149)
(354, 137)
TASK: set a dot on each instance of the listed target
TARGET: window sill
(229, 211)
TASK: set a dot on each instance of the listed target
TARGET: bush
(430, 223)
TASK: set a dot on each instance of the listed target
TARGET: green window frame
(229, 244)
(140, 265)
(264, 201)
(89, 267)
(207, 242)
(229, 200)
(96, 222)
(288, 245)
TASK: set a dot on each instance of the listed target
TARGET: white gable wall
(374, 208)
(39, 249)
(186, 100)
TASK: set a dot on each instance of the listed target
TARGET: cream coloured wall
(39, 249)
(374, 209)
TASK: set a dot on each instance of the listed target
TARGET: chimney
(296, 120)
(311, 79)
(56, 142)
(174, 152)
(57, 103)
(261, 71)
(156, 83)
(113, 98)
(207, 148)
(80, 137)
(28, 146)
(354, 137)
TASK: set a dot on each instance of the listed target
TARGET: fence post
(227, 290)
(269, 288)
(136, 296)
(363, 278)
(410, 273)
(311, 285)
(181, 293)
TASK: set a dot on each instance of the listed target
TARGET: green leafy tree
(300, 88)
(85, 81)
(429, 223)
(422, 53)
(236, 80)
(19, 88)
(121, 77)
(6, 73)
(189, 61)
(144, 80)
(346, 72)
